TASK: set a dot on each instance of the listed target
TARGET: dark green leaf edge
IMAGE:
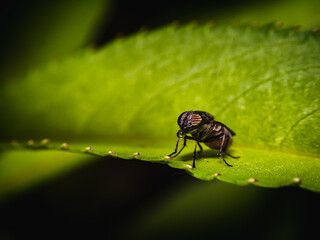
(46, 144)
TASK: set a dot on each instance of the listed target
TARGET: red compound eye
(195, 119)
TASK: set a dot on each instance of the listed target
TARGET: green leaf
(21, 170)
(262, 82)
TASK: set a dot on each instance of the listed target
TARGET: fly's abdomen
(216, 143)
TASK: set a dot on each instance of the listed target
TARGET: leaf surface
(262, 82)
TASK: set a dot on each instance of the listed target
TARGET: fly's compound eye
(195, 119)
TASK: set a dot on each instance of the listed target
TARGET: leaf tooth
(235, 23)
(14, 143)
(189, 166)
(136, 154)
(297, 27)
(45, 141)
(30, 142)
(315, 30)
(255, 24)
(193, 24)
(88, 149)
(278, 24)
(252, 180)
(297, 180)
(211, 24)
(175, 24)
(111, 152)
(65, 146)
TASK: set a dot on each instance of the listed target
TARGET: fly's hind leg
(222, 150)
(224, 159)
(231, 155)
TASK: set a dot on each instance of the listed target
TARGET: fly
(201, 127)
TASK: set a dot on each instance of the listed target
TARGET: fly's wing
(232, 132)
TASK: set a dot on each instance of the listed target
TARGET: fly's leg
(224, 160)
(231, 155)
(201, 149)
(176, 149)
(221, 150)
(194, 155)
(174, 154)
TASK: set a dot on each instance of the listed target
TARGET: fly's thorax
(202, 132)
(214, 129)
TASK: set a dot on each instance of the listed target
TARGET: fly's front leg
(176, 149)
(177, 145)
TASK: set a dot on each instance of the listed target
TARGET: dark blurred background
(118, 199)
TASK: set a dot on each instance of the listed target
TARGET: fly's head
(192, 122)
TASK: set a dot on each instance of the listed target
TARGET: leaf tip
(278, 24)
